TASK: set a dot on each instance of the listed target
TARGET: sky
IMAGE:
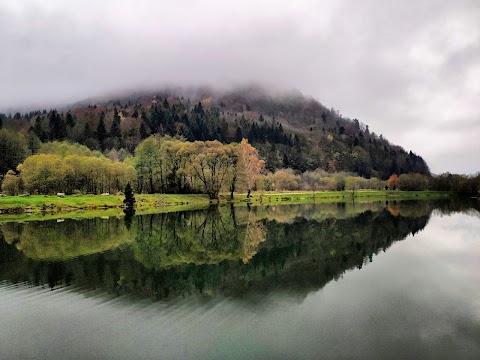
(408, 69)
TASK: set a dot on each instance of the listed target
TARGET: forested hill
(289, 130)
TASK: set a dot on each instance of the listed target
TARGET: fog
(408, 69)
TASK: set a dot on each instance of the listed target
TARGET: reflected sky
(418, 299)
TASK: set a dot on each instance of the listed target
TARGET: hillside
(290, 130)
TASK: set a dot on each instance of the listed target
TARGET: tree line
(297, 134)
(172, 165)
(160, 165)
(175, 165)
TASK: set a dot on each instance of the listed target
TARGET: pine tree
(143, 131)
(87, 133)
(101, 131)
(166, 105)
(62, 127)
(57, 126)
(324, 117)
(129, 200)
(69, 119)
(115, 131)
(238, 135)
(38, 129)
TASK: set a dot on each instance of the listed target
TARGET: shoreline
(87, 205)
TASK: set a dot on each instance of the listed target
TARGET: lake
(398, 280)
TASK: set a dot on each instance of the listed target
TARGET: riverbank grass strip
(154, 202)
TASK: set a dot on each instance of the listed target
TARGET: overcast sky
(408, 69)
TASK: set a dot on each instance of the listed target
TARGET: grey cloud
(400, 67)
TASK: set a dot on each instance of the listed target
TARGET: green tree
(13, 150)
(43, 173)
(147, 163)
(129, 200)
(212, 164)
(33, 142)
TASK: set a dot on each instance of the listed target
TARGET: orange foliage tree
(392, 182)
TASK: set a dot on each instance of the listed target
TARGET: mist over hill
(289, 129)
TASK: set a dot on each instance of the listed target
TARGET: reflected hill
(222, 250)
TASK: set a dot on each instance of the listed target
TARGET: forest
(203, 142)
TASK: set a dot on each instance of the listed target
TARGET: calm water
(331, 281)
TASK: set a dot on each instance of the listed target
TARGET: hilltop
(289, 129)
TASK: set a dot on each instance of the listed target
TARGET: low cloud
(409, 70)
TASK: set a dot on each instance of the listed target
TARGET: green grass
(338, 196)
(51, 203)
(44, 207)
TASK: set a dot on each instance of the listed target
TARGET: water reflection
(221, 250)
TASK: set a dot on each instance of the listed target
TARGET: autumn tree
(69, 168)
(212, 164)
(284, 179)
(43, 173)
(12, 183)
(392, 182)
(249, 165)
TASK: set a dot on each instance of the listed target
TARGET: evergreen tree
(38, 129)
(33, 141)
(238, 135)
(70, 120)
(143, 130)
(324, 117)
(101, 131)
(129, 200)
(165, 104)
(87, 133)
(115, 131)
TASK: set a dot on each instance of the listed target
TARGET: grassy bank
(51, 203)
(97, 205)
(340, 196)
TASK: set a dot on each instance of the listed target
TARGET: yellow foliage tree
(249, 165)
(11, 184)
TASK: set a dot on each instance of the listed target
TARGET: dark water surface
(325, 281)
